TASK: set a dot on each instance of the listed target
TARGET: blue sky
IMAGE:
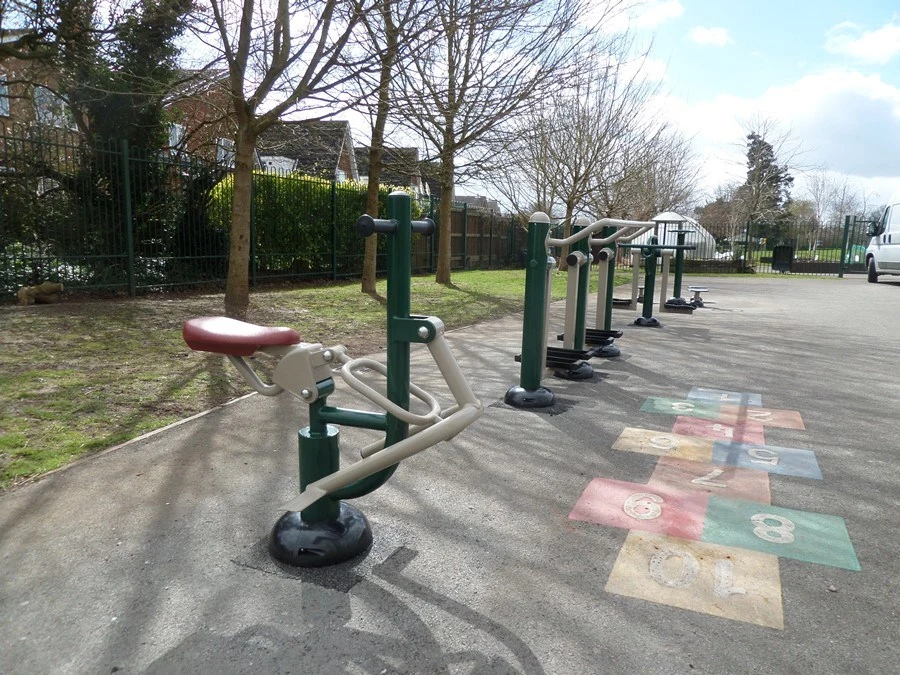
(827, 72)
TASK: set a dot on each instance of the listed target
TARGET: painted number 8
(643, 506)
(782, 533)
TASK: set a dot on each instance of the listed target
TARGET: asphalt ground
(151, 557)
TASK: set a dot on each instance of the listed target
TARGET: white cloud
(845, 121)
(712, 36)
(652, 13)
(647, 14)
(874, 46)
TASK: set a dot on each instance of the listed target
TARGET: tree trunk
(371, 251)
(389, 56)
(237, 287)
(445, 230)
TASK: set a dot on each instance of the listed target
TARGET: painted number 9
(780, 533)
(643, 506)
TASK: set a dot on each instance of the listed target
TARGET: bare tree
(490, 60)
(394, 35)
(281, 57)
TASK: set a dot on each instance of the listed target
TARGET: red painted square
(635, 506)
(723, 481)
(748, 432)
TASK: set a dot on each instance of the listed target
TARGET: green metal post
(650, 258)
(491, 242)
(398, 307)
(530, 393)
(679, 265)
(319, 457)
(610, 278)
(127, 217)
(535, 322)
(584, 246)
(848, 220)
(334, 242)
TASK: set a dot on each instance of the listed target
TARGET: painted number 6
(643, 506)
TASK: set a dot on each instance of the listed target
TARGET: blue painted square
(771, 458)
(720, 396)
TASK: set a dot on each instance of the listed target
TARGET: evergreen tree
(766, 191)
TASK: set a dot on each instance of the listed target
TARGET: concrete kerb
(148, 559)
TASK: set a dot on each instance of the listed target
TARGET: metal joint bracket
(423, 329)
(302, 367)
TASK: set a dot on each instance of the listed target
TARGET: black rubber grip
(367, 225)
(425, 226)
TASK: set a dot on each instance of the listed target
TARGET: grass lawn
(84, 375)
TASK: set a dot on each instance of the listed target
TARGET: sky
(825, 72)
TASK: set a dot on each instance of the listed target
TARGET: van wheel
(872, 274)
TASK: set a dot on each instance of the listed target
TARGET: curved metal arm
(448, 423)
(593, 227)
(347, 374)
(617, 237)
(253, 379)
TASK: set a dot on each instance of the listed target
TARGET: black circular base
(296, 542)
(696, 303)
(536, 398)
(582, 370)
(652, 322)
(608, 352)
(677, 301)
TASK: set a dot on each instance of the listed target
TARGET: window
(176, 137)
(50, 109)
(4, 97)
(225, 151)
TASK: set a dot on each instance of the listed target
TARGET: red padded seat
(222, 335)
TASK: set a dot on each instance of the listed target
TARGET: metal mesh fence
(104, 217)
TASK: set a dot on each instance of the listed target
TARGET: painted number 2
(708, 481)
(780, 533)
(643, 506)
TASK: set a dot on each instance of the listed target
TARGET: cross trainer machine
(318, 528)
(536, 356)
(650, 252)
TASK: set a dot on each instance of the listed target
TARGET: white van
(883, 253)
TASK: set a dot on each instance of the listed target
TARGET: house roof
(400, 165)
(315, 146)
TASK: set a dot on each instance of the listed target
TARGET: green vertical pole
(538, 263)
(584, 246)
(848, 220)
(127, 217)
(534, 324)
(398, 307)
(679, 266)
(610, 278)
(319, 457)
(650, 278)
(334, 242)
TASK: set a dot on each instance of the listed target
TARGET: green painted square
(801, 535)
(677, 406)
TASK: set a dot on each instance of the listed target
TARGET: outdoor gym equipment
(318, 528)
(650, 252)
(605, 282)
(536, 356)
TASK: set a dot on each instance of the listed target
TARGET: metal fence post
(848, 220)
(127, 217)
(333, 230)
(253, 252)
